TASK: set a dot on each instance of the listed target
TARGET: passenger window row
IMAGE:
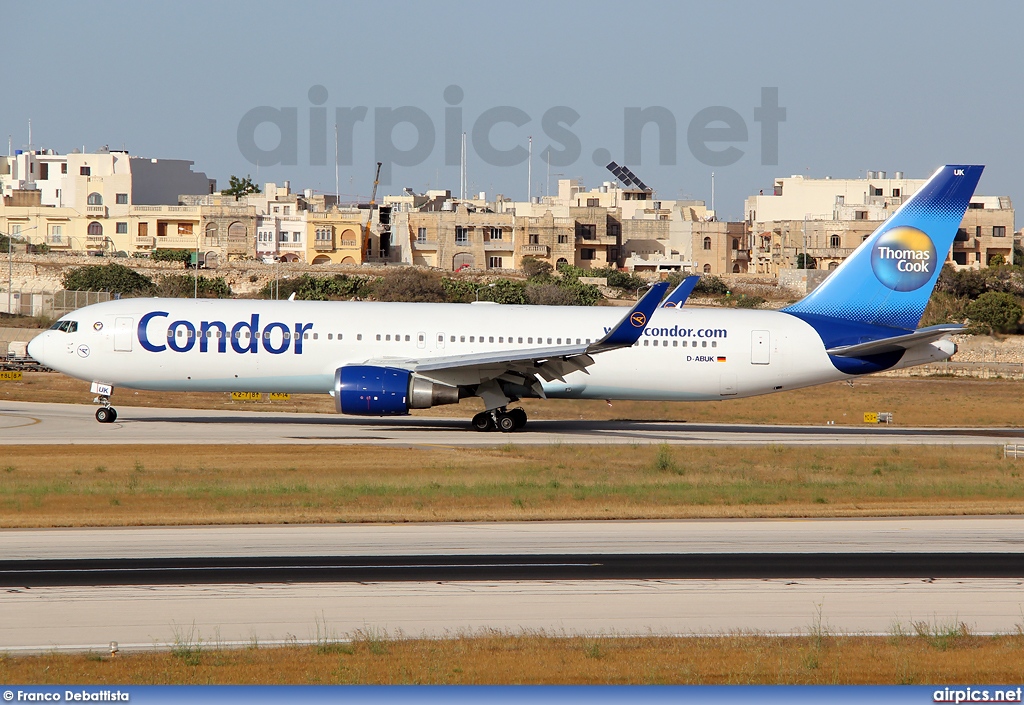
(675, 343)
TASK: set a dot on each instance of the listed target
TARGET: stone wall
(37, 273)
(801, 281)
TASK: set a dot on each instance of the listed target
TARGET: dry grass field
(927, 654)
(161, 485)
(43, 486)
(931, 401)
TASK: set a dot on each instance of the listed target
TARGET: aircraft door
(760, 347)
(440, 341)
(123, 330)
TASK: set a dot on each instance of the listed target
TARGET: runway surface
(140, 616)
(44, 619)
(38, 423)
(698, 536)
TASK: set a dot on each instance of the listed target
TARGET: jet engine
(369, 390)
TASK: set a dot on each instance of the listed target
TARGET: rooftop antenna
(529, 171)
(30, 134)
(337, 184)
(9, 138)
(547, 154)
(462, 178)
(712, 191)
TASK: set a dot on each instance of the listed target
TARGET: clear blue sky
(868, 85)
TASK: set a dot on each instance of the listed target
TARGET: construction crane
(373, 203)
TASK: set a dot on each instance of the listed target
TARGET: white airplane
(383, 359)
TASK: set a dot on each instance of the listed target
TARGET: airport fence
(49, 304)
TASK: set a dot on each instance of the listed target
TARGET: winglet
(681, 293)
(632, 325)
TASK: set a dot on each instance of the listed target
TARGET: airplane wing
(681, 293)
(899, 342)
(526, 365)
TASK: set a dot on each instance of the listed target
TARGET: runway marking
(32, 420)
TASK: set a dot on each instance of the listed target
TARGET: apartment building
(100, 202)
(824, 220)
(460, 237)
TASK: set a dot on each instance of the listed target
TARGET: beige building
(334, 235)
(826, 219)
(460, 238)
(547, 238)
(985, 231)
(101, 184)
(103, 202)
(585, 228)
(797, 197)
(218, 231)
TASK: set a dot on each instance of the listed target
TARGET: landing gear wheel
(483, 421)
(507, 423)
(519, 416)
(106, 414)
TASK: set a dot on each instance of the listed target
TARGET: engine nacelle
(368, 390)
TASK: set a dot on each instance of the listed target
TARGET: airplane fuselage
(685, 354)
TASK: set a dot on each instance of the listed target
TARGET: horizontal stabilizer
(899, 342)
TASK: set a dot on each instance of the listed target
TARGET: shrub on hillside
(184, 286)
(115, 278)
(711, 285)
(943, 307)
(551, 295)
(999, 311)
(172, 255)
(312, 288)
(972, 283)
(533, 267)
(410, 284)
(750, 301)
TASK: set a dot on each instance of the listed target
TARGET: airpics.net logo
(903, 259)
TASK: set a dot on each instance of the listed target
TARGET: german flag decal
(721, 359)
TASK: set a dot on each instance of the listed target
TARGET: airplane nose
(37, 348)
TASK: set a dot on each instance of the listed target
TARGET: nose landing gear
(106, 413)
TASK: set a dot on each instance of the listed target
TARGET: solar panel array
(627, 177)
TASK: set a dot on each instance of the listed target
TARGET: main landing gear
(505, 420)
(106, 413)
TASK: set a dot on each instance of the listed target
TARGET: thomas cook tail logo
(638, 319)
(904, 259)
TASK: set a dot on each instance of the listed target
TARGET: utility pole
(196, 296)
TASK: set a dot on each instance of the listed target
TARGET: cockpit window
(66, 326)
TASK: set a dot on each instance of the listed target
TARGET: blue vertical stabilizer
(887, 281)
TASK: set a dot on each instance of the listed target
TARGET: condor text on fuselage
(244, 336)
